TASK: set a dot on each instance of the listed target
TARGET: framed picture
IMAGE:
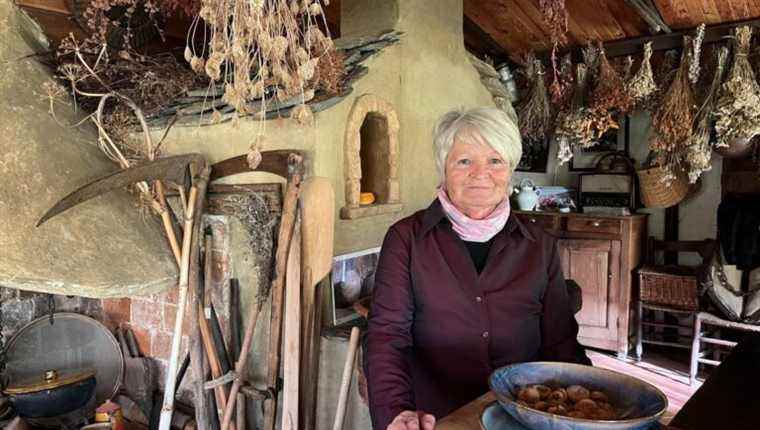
(352, 280)
(535, 155)
(585, 159)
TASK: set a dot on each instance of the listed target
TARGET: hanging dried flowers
(562, 84)
(609, 97)
(555, 17)
(673, 120)
(737, 110)
(574, 124)
(642, 85)
(534, 114)
(609, 92)
(696, 48)
(261, 50)
(699, 151)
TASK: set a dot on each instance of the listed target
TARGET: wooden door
(595, 265)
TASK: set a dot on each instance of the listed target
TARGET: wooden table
(468, 416)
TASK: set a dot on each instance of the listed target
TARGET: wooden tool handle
(345, 382)
(292, 336)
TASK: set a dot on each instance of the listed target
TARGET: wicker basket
(656, 194)
(669, 286)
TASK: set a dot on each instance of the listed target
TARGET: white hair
(496, 128)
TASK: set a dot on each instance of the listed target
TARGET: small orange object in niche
(366, 198)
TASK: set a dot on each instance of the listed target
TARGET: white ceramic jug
(527, 195)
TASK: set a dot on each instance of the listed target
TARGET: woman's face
(476, 176)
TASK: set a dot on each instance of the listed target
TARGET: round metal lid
(49, 380)
(73, 341)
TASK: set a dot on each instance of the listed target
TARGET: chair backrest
(704, 248)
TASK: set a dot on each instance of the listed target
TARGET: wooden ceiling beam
(489, 46)
(648, 12)
(713, 34)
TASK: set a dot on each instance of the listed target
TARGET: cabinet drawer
(548, 222)
(593, 225)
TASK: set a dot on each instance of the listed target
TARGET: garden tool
(317, 228)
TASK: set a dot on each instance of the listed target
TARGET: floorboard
(674, 383)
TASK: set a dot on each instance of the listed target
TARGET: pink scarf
(475, 230)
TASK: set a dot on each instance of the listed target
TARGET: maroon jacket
(437, 329)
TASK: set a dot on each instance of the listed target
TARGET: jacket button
(485, 335)
(478, 299)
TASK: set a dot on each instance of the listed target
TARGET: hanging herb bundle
(673, 120)
(561, 88)
(609, 97)
(642, 85)
(737, 110)
(696, 49)
(534, 115)
(260, 50)
(555, 17)
(699, 150)
(574, 125)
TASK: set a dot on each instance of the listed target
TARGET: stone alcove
(371, 158)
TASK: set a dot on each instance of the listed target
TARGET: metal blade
(170, 169)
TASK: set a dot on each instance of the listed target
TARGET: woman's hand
(412, 420)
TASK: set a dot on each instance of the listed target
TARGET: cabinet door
(595, 265)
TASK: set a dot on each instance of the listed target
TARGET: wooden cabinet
(600, 253)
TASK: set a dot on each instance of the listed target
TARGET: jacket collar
(434, 215)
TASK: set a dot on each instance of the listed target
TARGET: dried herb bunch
(699, 151)
(152, 82)
(609, 96)
(696, 48)
(555, 17)
(642, 85)
(534, 115)
(562, 83)
(261, 50)
(737, 110)
(673, 120)
(574, 124)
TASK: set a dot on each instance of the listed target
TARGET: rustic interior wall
(697, 214)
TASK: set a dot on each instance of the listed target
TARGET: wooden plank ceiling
(499, 28)
(517, 26)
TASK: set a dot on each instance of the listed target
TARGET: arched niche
(371, 158)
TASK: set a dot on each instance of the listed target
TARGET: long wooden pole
(292, 337)
(168, 405)
(283, 243)
(345, 382)
(220, 392)
(197, 359)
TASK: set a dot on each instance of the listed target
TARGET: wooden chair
(702, 320)
(672, 289)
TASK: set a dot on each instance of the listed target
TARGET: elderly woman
(463, 287)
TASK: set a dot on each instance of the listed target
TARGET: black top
(479, 253)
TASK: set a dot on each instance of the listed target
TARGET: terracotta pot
(736, 148)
